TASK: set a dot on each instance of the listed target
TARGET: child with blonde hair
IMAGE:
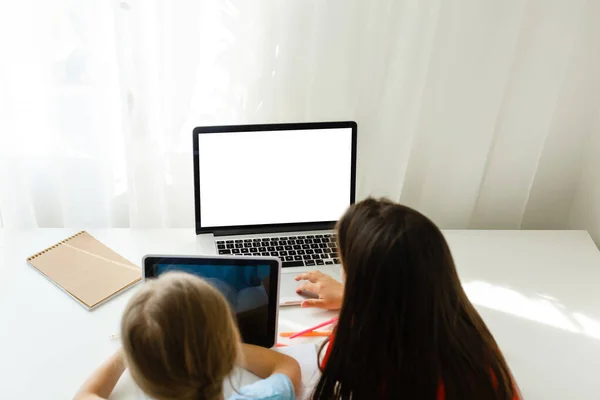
(180, 342)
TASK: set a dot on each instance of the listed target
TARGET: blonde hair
(179, 338)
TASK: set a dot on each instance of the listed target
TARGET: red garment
(441, 395)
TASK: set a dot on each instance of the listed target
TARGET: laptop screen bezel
(268, 228)
(274, 276)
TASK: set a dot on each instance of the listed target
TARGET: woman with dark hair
(406, 328)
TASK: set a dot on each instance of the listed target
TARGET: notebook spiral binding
(55, 246)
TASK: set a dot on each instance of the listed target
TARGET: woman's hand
(330, 291)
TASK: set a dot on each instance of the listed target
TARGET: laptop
(276, 190)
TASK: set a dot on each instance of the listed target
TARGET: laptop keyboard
(294, 251)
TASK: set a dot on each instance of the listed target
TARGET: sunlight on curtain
(61, 147)
(475, 112)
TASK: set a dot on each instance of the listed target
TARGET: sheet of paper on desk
(126, 389)
(306, 355)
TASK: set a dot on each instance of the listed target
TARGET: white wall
(585, 213)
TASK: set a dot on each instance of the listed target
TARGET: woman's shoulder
(275, 387)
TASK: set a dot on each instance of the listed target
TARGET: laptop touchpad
(288, 286)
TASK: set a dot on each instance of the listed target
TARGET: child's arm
(101, 383)
(264, 363)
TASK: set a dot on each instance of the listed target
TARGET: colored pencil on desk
(329, 322)
(309, 334)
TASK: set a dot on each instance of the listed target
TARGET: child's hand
(119, 358)
(329, 290)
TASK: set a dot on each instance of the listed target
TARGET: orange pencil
(309, 334)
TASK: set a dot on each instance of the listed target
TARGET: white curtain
(476, 112)
(585, 213)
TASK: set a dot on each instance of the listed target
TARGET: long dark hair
(406, 327)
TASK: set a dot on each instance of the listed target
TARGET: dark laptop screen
(247, 288)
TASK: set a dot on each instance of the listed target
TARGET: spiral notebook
(86, 269)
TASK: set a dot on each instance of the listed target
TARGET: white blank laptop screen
(274, 177)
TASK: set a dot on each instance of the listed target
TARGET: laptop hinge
(273, 229)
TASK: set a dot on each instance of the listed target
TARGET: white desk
(537, 291)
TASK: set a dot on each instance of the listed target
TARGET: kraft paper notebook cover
(86, 269)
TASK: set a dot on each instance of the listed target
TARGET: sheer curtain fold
(478, 113)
